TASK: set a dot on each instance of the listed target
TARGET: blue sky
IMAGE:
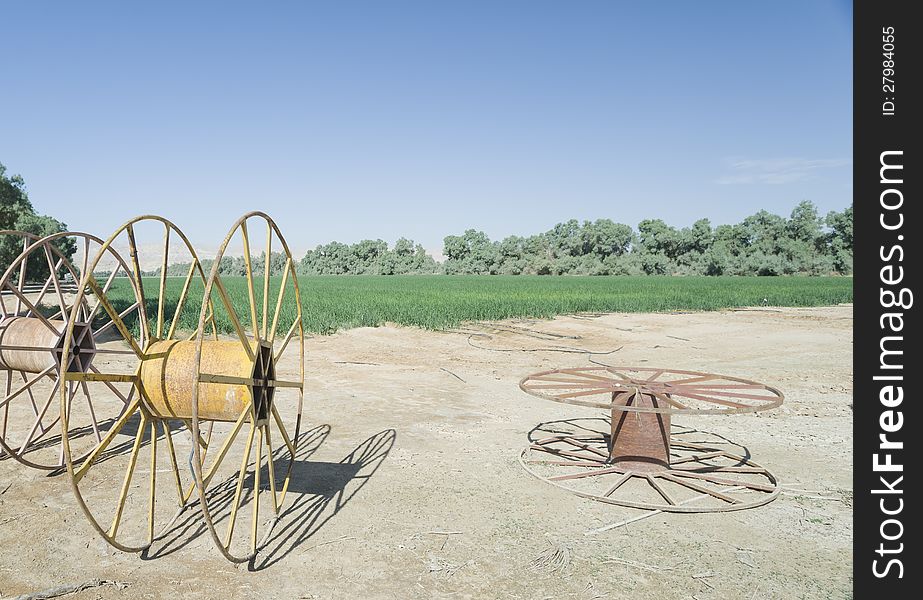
(351, 120)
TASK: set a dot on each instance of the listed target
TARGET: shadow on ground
(317, 492)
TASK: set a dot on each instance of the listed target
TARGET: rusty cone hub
(639, 441)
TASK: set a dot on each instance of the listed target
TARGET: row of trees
(762, 244)
(370, 257)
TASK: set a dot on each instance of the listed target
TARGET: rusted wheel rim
(678, 392)
(702, 477)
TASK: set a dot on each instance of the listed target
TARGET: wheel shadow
(600, 426)
(315, 487)
(189, 525)
(322, 489)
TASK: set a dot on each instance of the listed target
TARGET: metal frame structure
(202, 389)
(638, 463)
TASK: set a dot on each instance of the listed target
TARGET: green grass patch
(437, 302)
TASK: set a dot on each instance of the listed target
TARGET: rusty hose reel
(189, 396)
(33, 318)
(637, 463)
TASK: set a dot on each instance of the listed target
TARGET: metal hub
(82, 349)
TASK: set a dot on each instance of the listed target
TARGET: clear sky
(350, 120)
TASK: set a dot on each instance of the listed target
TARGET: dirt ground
(409, 484)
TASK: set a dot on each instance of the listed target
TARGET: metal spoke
(724, 481)
(232, 518)
(182, 300)
(601, 387)
(250, 288)
(288, 338)
(670, 400)
(584, 474)
(697, 457)
(701, 488)
(38, 419)
(256, 492)
(22, 274)
(100, 377)
(168, 436)
(27, 385)
(266, 267)
(278, 419)
(712, 400)
(652, 480)
(696, 379)
(279, 383)
(621, 480)
(586, 446)
(111, 323)
(105, 290)
(54, 278)
(558, 452)
(93, 422)
(119, 324)
(579, 373)
(272, 470)
(656, 374)
(114, 389)
(232, 314)
(161, 298)
(282, 288)
(683, 391)
(6, 405)
(133, 253)
(583, 393)
(32, 309)
(46, 285)
(223, 450)
(153, 488)
(110, 435)
(129, 473)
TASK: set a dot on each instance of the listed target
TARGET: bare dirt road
(407, 483)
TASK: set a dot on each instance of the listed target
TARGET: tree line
(762, 244)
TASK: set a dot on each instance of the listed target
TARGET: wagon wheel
(638, 455)
(672, 391)
(35, 305)
(701, 478)
(130, 514)
(267, 334)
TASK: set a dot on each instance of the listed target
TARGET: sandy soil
(409, 485)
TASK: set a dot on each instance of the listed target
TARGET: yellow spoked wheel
(250, 389)
(132, 479)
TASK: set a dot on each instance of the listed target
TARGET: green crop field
(435, 302)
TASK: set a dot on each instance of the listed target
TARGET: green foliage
(16, 212)
(368, 257)
(762, 244)
(331, 303)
